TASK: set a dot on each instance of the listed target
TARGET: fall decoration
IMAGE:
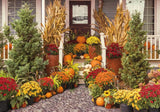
(86, 56)
(95, 63)
(105, 78)
(36, 99)
(60, 89)
(51, 49)
(69, 71)
(67, 59)
(24, 105)
(99, 58)
(116, 29)
(93, 40)
(81, 39)
(55, 23)
(48, 94)
(54, 93)
(80, 48)
(100, 101)
(145, 45)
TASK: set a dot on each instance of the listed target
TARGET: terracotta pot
(114, 64)
(53, 61)
(108, 106)
(92, 52)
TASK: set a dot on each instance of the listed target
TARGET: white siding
(0, 13)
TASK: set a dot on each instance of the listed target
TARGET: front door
(80, 17)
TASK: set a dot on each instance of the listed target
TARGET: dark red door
(80, 17)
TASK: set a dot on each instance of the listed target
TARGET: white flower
(88, 66)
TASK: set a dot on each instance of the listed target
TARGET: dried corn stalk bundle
(54, 24)
(116, 30)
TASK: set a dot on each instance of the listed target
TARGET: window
(149, 17)
(0, 14)
(109, 8)
(14, 6)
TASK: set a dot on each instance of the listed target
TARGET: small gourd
(48, 94)
(100, 101)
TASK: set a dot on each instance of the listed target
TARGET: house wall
(0, 13)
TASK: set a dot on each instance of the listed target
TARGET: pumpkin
(24, 104)
(54, 93)
(92, 99)
(99, 58)
(60, 89)
(48, 94)
(67, 59)
(86, 55)
(95, 63)
(74, 55)
(100, 101)
(81, 39)
(146, 45)
(69, 71)
(153, 47)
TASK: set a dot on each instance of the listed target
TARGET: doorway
(80, 17)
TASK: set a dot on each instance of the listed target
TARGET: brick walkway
(73, 100)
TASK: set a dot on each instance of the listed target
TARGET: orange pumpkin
(69, 71)
(43, 96)
(60, 89)
(100, 101)
(67, 59)
(54, 93)
(95, 63)
(153, 47)
(99, 58)
(74, 56)
(48, 94)
(145, 44)
(81, 39)
(86, 55)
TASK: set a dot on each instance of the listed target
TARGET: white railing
(152, 45)
(5, 52)
(61, 50)
(103, 47)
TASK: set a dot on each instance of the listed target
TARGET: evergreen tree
(134, 61)
(26, 58)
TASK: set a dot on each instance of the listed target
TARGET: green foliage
(3, 74)
(56, 81)
(95, 91)
(19, 100)
(26, 57)
(7, 33)
(69, 48)
(134, 61)
(2, 43)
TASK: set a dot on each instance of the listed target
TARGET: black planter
(126, 108)
(142, 110)
(153, 109)
(30, 101)
(4, 106)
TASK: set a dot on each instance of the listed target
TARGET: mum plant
(80, 49)
(95, 91)
(150, 94)
(8, 88)
(93, 40)
(114, 51)
(31, 88)
(46, 84)
(51, 49)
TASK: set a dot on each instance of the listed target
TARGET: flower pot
(92, 52)
(108, 106)
(125, 108)
(153, 109)
(114, 64)
(53, 61)
(30, 101)
(4, 106)
(142, 110)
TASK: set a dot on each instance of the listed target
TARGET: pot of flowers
(120, 97)
(8, 88)
(150, 94)
(113, 60)
(46, 84)
(108, 98)
(94, 46)
(135, 100)
(80, 49)
(52, 56)
(32, 89)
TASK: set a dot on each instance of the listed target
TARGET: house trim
(4, 12)
(39, 12)
(157, 17)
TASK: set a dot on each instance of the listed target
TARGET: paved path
(73, 100)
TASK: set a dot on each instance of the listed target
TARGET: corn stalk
(117, 29)
(54, 24)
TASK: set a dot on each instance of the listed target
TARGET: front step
(81, 66)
